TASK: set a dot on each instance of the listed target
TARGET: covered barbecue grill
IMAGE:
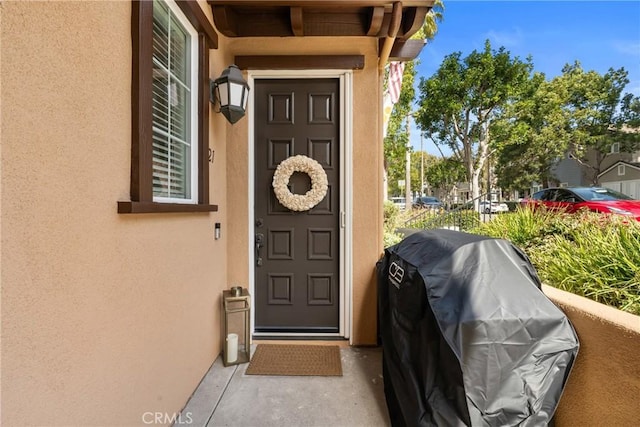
(468, 336)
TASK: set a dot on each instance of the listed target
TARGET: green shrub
(597, 258)
(589, 254)
(391, 221)
(524, 227)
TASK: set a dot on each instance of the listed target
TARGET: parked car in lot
(493, 207)
(595, 199)
(400, 202)
(427, 202)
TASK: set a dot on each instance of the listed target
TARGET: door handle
(259, 242)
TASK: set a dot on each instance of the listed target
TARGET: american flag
(395, 80)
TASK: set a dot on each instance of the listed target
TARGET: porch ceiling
(382, 19)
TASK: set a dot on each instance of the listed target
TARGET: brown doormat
(283, 359)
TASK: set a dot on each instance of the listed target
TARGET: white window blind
(174, 106)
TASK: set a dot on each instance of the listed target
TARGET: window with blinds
(174, 105)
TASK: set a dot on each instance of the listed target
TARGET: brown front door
(297, 253)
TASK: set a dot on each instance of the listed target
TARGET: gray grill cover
(468, 337)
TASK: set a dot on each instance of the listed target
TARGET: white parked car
(493, 207)
(400, 202)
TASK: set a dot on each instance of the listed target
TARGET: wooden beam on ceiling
(299, 62)
(394, 26)
(317, 18)
(412, 21)
(345, 23)
(377, 16)
(406, 50)
(319, 3)
(225, 20)
(396, 19)
(297, 21)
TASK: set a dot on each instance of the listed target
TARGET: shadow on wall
(367, 336)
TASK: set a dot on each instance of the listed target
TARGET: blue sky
(598, 34)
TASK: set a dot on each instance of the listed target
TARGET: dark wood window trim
(298, 62)
(152, 207)
(141, 188)
(198, 19)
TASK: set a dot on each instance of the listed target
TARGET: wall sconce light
(231, 92)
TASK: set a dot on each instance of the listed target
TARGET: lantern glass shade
(236, 337)
(223, 94)
(231, 91)
(245, 97)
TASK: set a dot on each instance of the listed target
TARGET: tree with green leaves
(431, 21)
(460, 101)
(396, 140)
(600, 115)
(578, 113)
(531, 134)
(629, 113)
(421, 162)
(445, 173)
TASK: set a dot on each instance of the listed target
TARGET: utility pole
(407, 179)
(489, 179)
(421, 166)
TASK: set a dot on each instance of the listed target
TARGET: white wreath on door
(300, 202)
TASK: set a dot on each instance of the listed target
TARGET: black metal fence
(461, 217)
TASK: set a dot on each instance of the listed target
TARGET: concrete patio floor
(228, 397)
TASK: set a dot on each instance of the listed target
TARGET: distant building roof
(619, 162)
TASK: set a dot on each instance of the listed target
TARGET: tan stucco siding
(367, 172)
(367, 201)
(104, 316)
(238, 205)
(604, 384)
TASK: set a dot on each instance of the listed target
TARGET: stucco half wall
(604, 384)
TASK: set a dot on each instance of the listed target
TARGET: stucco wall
(367, 172)
(604, 384)
(104, 316)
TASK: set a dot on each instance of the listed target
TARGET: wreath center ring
(300, 202)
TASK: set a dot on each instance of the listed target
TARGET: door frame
(345, 107)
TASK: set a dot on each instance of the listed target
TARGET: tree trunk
(483, 153)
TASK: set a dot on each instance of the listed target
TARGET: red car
(595, 199)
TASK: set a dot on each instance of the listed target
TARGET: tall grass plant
(589, 254)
